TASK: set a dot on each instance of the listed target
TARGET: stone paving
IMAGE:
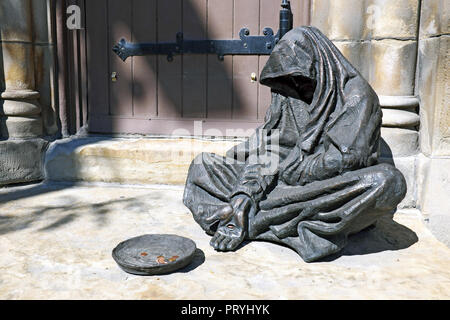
(56, 242)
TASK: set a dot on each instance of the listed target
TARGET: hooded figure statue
(320, 180)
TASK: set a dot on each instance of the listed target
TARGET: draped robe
(322, 181)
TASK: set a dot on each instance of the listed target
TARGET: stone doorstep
(147, 161)
(127, 160)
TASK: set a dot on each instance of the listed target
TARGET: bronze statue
(327, 183)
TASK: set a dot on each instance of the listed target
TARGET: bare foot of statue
(232, 228)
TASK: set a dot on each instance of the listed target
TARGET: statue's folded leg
(210, 181)
(315, 219)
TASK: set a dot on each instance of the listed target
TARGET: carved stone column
(20, 107)
(21, 129)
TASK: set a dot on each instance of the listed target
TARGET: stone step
(147, 161)
(127, 160)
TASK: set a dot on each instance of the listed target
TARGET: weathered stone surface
(433, 181)
(21, 127)
(57, 242)
(433, 177)
(400, 118)
(399, 102)
(39, 11)
(25, 38)
(388, 65)
(15, 20)
(408, 167)
(24, 24)
(365, 20)
(166, 161)
(433, 89)
(19, 94)
(20, 114)
(21, 160)
(434, 19)
(141, 161)
(392, 67)
(390, 19)
(339, 19)
(45, 84)
(18, 66)
(399, 142)
(19, 107)
(356, 52)
(19, 103)
(2, 81)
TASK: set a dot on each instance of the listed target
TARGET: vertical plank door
(152, 95)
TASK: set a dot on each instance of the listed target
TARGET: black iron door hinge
(246, 45)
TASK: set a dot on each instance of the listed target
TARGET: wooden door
(193, 94)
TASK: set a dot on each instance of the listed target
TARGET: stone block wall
(432, 86)
(402, 49)
(433, 78)
(380, 37)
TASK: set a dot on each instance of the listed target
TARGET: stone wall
(27, 104)
(432, 86)
(402, 49)
(379, 37)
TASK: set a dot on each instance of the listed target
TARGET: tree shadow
(23, 190)
(51, 214)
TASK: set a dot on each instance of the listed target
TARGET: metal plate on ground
(153, 254)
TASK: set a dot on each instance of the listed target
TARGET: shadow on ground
(385, 235)
(18, 218)
(199, 259)
(63, 210)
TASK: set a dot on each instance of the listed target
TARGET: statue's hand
(223, 215)
(232, 228)
(241, 204)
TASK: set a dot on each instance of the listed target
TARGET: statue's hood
(306, 67)
(290, 68)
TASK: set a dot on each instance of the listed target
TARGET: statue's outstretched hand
(232, 227)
